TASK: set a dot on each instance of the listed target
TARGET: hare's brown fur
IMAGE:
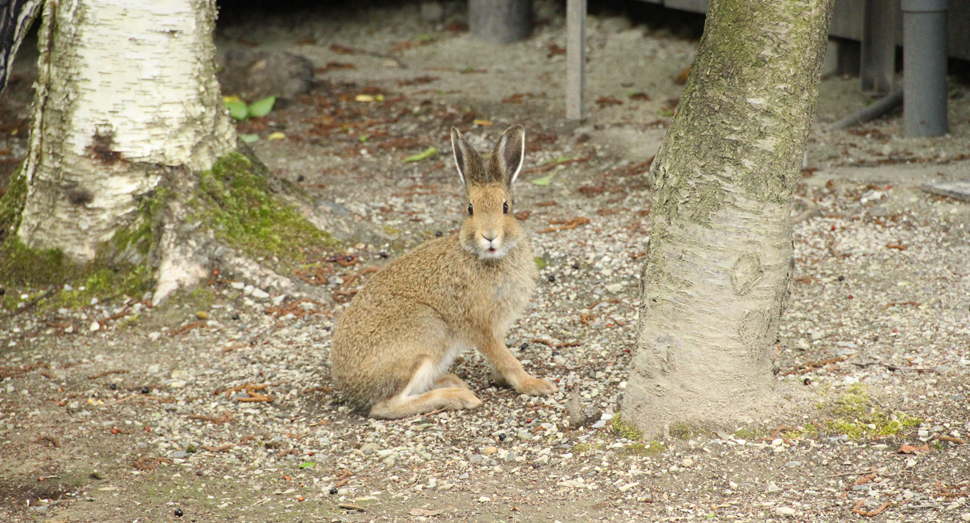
(396, 341)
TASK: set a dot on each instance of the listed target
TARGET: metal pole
(924, 63)
(576, 59)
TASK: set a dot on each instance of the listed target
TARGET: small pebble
(178, 513)
(552, 278)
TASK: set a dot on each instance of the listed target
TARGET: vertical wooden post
(576, 59)
(879, 46)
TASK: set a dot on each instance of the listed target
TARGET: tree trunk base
(500, 21)
(228, 219)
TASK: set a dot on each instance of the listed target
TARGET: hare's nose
(490, 237)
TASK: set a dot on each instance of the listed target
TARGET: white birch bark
(126, 96)
(719, 257)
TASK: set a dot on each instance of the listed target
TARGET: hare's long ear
(468, 162)
(509, 154)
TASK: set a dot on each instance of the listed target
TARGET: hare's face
(489, 229)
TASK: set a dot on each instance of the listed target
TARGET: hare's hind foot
(403, 406)
(450, 381)
(446, 392)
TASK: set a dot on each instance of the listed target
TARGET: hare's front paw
(535, 387)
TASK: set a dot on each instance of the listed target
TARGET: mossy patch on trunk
(237, 202)
(12, 204)
(235, 199)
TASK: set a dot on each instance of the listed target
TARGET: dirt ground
(218, 405)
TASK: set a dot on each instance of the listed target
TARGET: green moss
(650, 448)
(540, 262)
(239, 205)
(138, 241)
(807, 431)
(98, 279)
(19, 265)
(625, 430)
(857, 416)
(12, 203)
(586, 448)
(748, 433)
(682, 431)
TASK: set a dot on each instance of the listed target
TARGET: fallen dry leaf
(607, 100)
(909, 449)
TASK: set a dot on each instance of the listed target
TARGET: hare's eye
(505, 207)
(470, 211)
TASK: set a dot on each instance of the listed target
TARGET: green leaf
(249, 138)
(262, 107)
(428, 153)
(544, 181)
(363, 138)
(561, 159)
(237, 109)
(307, 464)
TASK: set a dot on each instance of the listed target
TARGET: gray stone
(432, 11)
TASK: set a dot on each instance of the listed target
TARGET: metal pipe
(877, 109)
(924, 67)
(576, 59)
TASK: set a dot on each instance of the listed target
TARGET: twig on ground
(218, 420)
(225, 447)
(869, 513)
(251, 389)
(33, 302)
(565, 225)
(107, 373)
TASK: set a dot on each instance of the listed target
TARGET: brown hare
(394, 344)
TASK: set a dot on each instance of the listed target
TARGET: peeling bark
(719, 258)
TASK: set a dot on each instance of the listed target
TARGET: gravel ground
(119, 412)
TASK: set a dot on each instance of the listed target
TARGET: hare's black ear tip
(515, 130)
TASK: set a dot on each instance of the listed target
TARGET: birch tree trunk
(719, 257)
(127, 100)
